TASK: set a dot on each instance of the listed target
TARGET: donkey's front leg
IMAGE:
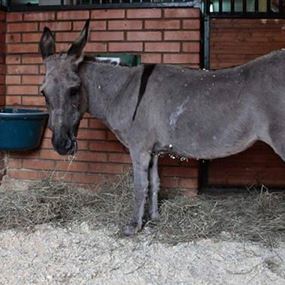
(154, 188)
(141, 162)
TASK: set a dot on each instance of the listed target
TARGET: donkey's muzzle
(64, 145)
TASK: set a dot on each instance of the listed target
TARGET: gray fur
(194, 113)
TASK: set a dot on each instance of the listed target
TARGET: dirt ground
(79, 253)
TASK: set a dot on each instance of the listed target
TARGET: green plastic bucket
(21, 129)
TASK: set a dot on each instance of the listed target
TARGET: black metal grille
(213, 8)
(26, 5)
(245, 8)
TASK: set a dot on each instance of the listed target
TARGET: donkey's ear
(77, 46)
(47, 43)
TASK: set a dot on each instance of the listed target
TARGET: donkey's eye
(74, 91)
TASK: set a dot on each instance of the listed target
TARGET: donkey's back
(209, 114)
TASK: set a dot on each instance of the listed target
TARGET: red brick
(151, 58)
(108, 14)
(83, 145)
(13, 59)
(13, 100)
(14, 17)
(107, 36)
(38, 164)
(25, 155)
(2, 101)
(32, 79)
(28, 174)
(3, 26)
(22, 89)
(2, 69)
(2, 79)
(62, 46)
(72, 166)
(3, 15)
(22, 27)
(56, 26)
(22, 48)
(31, 59)
(91, 156)
(111, 136)
(2, 51)
(73, 15)
(2, 90)
(82, 178)
(125, 25)
(49, 154)
(96, 47)
(14, 163)
(46, 144)
(84, 123)
(181, 58)
(31, 37)
(191, 47)
(48, 133)
(96, 124)
(106, 146)
(22, 69)
(66, 37)
(91, 134)
(13, 79)
(125, 47)
(162, 47)
(182, 35)
(106, 168)
(144, 36)
(182, 13)
(119, 157)
(33, 101)
(144, 13)
(39, 16)
(179, 171)
(162, 24)
(94, 25)
(192, 24)
(13, 38)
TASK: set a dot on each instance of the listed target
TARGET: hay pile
(257, 215)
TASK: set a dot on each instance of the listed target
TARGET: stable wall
(158, 35)
(2, 78)
(234, 42)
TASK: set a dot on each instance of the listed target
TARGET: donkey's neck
(103, 85)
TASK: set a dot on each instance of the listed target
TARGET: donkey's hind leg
(141, 163)
(153, 188)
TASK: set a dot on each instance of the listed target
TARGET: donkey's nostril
(68, 144)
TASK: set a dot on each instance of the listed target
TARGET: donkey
(154, 109)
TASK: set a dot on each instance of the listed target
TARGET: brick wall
(233, 42)
(2, 76)
(158, 35)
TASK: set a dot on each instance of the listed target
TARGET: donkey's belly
(210, 148)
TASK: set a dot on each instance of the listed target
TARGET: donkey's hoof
(131, 229)
(155, 217)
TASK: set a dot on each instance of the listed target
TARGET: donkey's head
(62, 90)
